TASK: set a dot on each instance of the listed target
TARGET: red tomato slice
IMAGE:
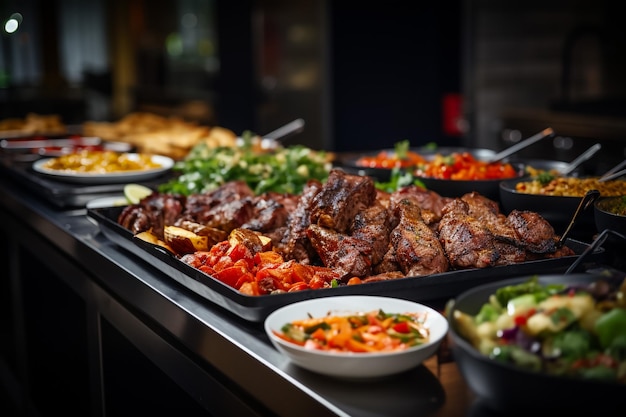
(230, 275)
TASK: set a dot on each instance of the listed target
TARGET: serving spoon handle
(521, 145)
(587, 200)
(614, 172)
(582, 158)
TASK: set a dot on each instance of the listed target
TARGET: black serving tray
(425, 289)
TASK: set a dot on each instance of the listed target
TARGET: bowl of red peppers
(449, 171)
(458, 173)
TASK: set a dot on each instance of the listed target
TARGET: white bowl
(355, 365)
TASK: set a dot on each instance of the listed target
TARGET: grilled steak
(430, 203)
(269, 214)
(467, 241)
(373, 226)
(414, 247)
(295, 244)
(340, 199)
(349, 256)
(152, 212)
(526, 230)
(533, 230)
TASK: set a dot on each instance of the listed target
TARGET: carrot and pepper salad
(374, 331)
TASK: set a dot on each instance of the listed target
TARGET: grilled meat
(430, 203)
(348, 225)
(295, 244)
(152, 213)
(414, 247)
(373, 226)
(340, 199)
(349, 256)
(535, 233)
(269, 214)
(467, 241)
(526, 230)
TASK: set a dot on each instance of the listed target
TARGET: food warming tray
(425, 289)
(64, 194)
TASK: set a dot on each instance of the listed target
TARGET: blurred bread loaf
(151, 133)
(33, 123)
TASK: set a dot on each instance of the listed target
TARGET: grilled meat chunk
(340, 199)
(467, 241)
(535, 233)
(487, 212)
(226, 208)
(414, 247)
(136, 218)
(430, 203)
(527, 230)
(153, 212)
(347, 255)
(226, 216)
(509, 253)
(269, 214)
(295, 244)
(373, 226)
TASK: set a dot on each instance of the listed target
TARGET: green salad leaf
(282, 170)
(397, 179)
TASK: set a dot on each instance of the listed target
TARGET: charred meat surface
(340, 199)
(415, 247)
(467, 241)
(295, 243)
(152, 213)
(268, 214)
(373, 226)
(533, 230)
(430, 203)
(349, 256)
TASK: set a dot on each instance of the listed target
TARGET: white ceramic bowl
(355, 365)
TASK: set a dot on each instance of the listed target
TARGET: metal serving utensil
(615, 172)
(283, 132)
(521, 145)
(582, 158)
(597, 242)
(274, 138)
(585, 202)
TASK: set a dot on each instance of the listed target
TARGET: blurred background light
(13, 23)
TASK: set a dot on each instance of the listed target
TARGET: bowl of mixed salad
(356, 336)
(544, 343)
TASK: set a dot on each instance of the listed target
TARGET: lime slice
(135, 192)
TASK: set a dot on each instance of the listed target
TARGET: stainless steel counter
(224, 364)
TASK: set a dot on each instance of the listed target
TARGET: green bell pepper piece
(611, 325)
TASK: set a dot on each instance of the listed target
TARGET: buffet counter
(93, 329)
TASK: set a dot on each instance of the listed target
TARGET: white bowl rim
(433, 315)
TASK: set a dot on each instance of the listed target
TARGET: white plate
(355, 365)
(110, 177)
(112, 201)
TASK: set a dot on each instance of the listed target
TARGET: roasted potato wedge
(150, 237)
(184, 241)
(213, 235)
(254, 241)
